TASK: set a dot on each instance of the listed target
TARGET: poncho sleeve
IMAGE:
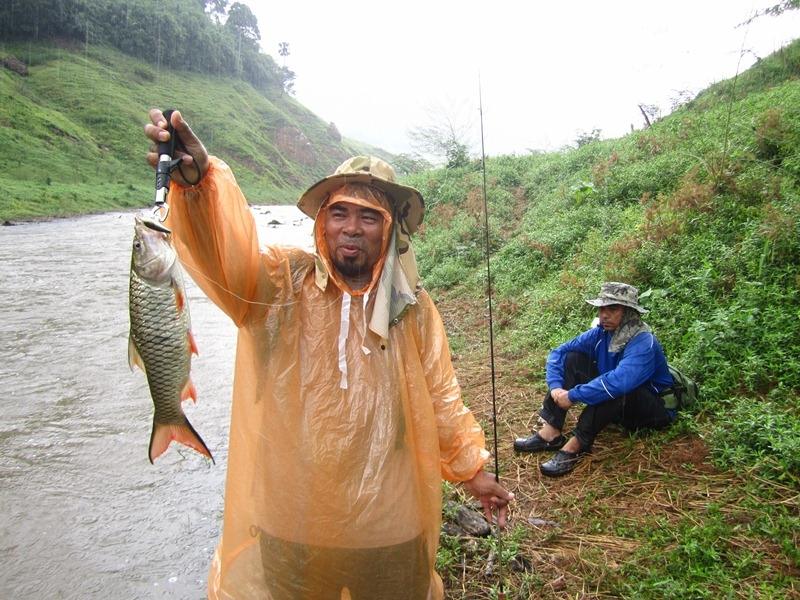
(215, 237)
(461, 439)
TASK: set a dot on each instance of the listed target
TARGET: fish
(160, 341)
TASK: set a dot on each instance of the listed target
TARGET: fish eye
(137, 244)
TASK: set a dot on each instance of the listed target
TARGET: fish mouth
(154, 225)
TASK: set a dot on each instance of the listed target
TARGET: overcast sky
(548, 70)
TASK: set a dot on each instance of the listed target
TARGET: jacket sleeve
(461, 440)
(635, 368)
(584, 343)
(215, 237)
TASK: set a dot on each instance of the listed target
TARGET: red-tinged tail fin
(184, 434)
(189, 391)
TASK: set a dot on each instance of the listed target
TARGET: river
(83, 514)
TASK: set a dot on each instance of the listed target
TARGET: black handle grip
(169, 146)
(165, 155)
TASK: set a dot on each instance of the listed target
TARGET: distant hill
(71, 136)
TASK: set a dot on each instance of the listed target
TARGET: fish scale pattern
(160, 332)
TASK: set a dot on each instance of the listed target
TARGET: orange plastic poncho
(327, 488)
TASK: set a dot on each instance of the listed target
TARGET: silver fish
(161, 341)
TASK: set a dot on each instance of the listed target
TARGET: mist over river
(83, 514)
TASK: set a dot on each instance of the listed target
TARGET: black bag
(684, 392)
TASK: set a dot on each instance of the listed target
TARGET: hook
(160, 212)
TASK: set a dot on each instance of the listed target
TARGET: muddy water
(83, 514)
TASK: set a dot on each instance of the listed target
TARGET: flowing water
(83, 514)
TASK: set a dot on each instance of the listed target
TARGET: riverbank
(649, 516)
(72, 142)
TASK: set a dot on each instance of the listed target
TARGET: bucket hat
(408, 206)
(614, 292)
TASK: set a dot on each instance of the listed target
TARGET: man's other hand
(492, 495)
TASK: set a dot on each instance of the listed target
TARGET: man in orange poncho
(346, 410)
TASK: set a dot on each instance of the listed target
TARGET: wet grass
(645, 516)
(71, 137)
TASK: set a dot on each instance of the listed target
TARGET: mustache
(351, 241)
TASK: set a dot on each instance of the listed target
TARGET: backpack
(684, 393)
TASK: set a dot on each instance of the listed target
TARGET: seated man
(617, 369)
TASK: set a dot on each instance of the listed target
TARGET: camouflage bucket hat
(614, 292)
(408, 207)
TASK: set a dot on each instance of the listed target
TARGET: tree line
(206, 36)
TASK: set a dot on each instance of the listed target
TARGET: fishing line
(232, 293)
(501, 593)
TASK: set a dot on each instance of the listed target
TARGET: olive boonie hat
(614, 292)
(407, 204)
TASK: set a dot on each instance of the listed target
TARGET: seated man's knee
(580, 365)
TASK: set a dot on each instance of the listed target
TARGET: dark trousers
(305, 572)
(639, 409)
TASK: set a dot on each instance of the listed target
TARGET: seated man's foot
(537, 443)
(561, 463)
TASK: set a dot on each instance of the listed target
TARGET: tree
(650, 112)
(587, 137)
(775, 10)
(243, 22)
(287, 80)
(445, 138)
(215, 8)
(283, 50)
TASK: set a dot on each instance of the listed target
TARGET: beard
(351, 267)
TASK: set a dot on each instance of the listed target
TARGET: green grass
(702, 210)
(71, 138)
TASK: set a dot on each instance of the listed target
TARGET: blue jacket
(641, 362)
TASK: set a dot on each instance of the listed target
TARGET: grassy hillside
(71, 136)
(702, 212)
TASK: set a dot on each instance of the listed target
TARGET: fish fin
(134, 359)
(184, 434)
(193, 344)
(180, 299)
(189, 391)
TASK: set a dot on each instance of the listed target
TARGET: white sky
(548, 70)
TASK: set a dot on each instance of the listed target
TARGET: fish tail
(184, 433)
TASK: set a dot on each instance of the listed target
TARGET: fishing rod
(501, 592)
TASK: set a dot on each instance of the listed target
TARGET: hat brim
(407, 203)
(598, 302)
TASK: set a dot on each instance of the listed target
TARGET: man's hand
(157, 132)
(561, 398)
(491, 494)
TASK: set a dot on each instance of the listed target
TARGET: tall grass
(702, 209)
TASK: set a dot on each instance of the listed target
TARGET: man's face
(354, 235)
(610, 316)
